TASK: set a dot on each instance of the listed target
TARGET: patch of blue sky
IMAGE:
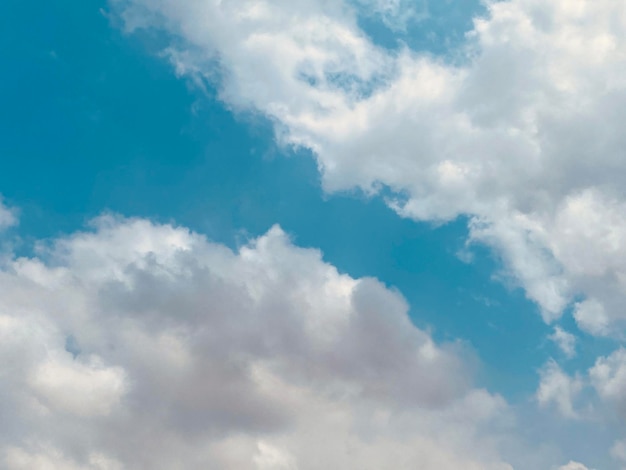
(588, 347)
(93, 123)
(437, 27)
(539, 426)
(72, 346)
(351, 84)
(355, 86)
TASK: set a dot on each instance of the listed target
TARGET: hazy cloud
(558, 389)
(8, 216)
(565, 341)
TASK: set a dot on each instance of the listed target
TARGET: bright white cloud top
(521, 131)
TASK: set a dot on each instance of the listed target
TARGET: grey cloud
(187, 354)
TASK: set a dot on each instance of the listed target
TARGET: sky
(293, 235)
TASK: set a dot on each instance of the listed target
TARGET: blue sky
(114, 130)
(97, 121)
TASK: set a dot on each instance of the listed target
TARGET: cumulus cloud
(522, 133)
(135, 345)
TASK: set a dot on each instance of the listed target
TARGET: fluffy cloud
(522, 133)
(136, 345)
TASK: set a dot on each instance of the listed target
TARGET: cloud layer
(521, 131)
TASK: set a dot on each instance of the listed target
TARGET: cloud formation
(565, 341)
(573, 466)
(521, 132)
(8, 216)
(595, 395)
(136, 345)
(395, 14)
(558, 389)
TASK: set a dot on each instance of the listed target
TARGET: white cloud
(573, 466)
(565, 341)
(573, 398)
(86, 389)
(524, 136)
(591, 316)
(558, 389)
(8, 216)
(608, 376)
(186, 354)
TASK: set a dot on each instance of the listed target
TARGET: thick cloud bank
(522, 132)
(136, 345)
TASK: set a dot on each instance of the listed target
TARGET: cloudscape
(313, 234)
